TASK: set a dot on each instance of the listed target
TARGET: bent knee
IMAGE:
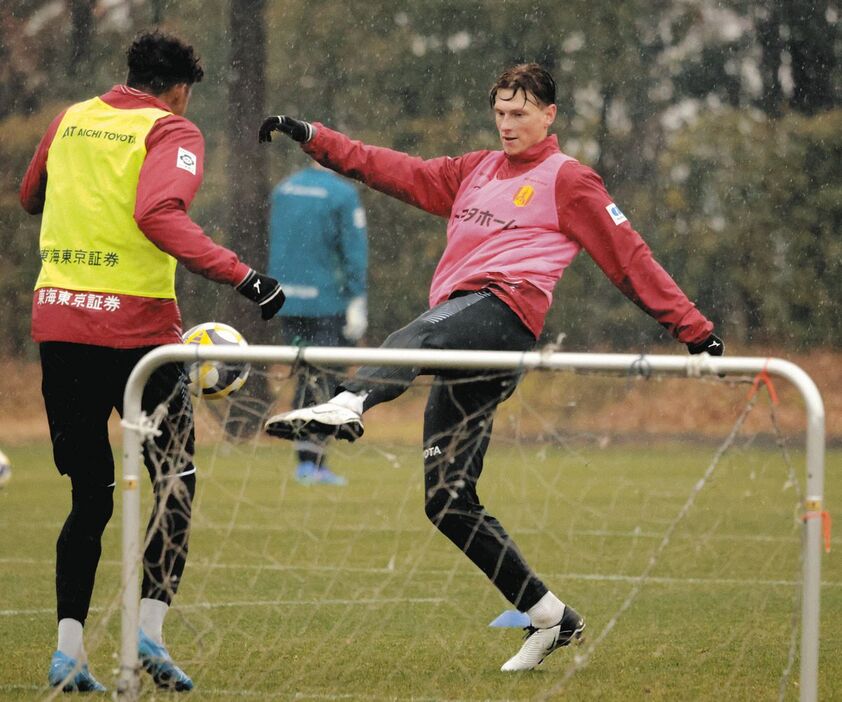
(448, 500)
(435, 504)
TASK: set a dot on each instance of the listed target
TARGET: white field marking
(256, 603)
(267, 695)
(585, 577)
(338, 529)
(299, 603)
(264, 695)
(197, 565)
(632, 534)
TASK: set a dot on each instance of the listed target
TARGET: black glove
(263, 290)
(294, 128)
(712, 345)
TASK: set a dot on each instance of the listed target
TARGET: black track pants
(313, 385)
(457, 429)
(81, 385)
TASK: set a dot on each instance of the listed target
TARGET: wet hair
(159, 61)
(529, 77)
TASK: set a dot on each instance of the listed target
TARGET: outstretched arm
(588, 214)
(430, 185)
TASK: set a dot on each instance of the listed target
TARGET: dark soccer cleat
(156, 660)
(540, 643)
(65, 672)
(326, 419)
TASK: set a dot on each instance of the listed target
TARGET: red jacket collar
(537, 152)
(526, 160)
(127, 98)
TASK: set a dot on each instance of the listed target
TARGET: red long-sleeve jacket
(586, 215)
(164, 194)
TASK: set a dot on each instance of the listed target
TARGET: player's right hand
(264, 290)
(294, 128)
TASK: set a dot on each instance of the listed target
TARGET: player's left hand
(265, 291)
(712, 345)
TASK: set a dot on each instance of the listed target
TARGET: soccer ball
(215, 379)
(5, 470)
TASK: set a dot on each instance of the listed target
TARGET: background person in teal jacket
(319, 252)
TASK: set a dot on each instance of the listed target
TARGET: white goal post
(136, 424)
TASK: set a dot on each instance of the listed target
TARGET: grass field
(326, 593)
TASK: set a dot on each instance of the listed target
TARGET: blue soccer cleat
(72, 677)
(308, 473)
(305, 472)
(325, 476)
(156, 660)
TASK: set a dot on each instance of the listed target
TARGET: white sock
(70, 641)
(353, 401)
(546, 612)
(152, 613)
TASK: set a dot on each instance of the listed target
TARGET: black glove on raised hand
(294, 128)
(712, 345)
(265, 291)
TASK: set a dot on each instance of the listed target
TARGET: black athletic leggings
(457, 428)
(81, 385)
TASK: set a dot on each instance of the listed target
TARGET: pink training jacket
(515, 223)
(504, 232)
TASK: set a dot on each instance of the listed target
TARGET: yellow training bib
(89, 239)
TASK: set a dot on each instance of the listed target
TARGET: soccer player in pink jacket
(516, 219)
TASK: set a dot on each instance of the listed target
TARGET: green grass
(348, 593)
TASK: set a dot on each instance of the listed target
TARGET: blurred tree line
(716, 125)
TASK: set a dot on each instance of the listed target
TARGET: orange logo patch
(524, 195)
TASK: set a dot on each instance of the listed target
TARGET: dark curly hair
(529, 77)
(158, 61)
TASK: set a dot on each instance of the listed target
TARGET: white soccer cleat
(540, 643)
(326, 419)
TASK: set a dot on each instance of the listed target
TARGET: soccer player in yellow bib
(113, 178)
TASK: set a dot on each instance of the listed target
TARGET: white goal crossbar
(136, 425)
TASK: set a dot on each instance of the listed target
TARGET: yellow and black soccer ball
(215, 379)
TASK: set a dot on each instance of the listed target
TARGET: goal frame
(136, 426)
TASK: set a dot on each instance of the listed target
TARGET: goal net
(671, 512)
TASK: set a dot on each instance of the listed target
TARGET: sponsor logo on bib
(523, 196)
